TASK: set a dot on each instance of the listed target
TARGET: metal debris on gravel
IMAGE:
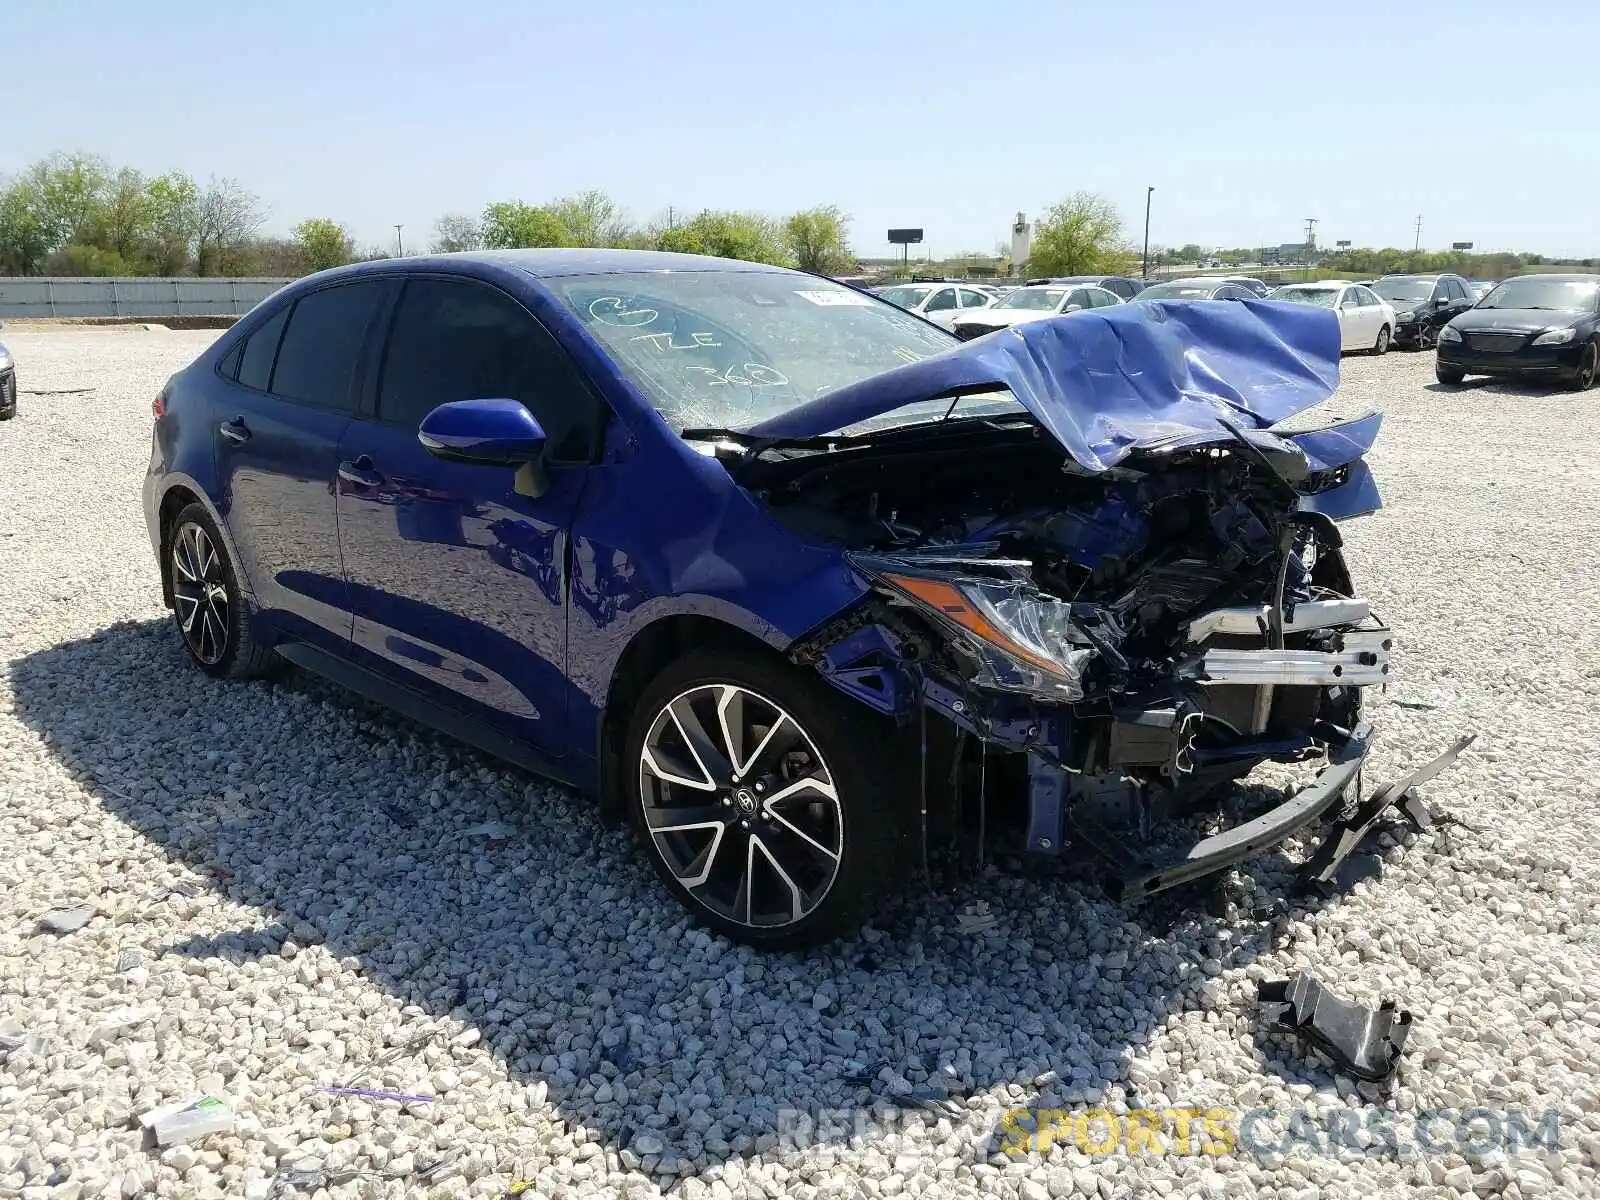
(580, 1037)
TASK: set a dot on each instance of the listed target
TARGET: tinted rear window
(255, 366)
(320, 350)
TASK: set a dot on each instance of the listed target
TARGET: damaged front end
(1100, 644)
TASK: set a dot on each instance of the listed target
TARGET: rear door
(277, 443)
(458, 582)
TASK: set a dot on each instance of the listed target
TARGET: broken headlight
(1015, 637)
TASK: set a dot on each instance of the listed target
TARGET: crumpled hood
(1105, 381)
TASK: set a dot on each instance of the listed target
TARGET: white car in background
(1366, 319)
(1032, 303)
(940, 303)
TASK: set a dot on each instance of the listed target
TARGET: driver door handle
(360, 472)
(235, 431)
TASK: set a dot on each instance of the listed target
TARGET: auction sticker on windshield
(834, 299)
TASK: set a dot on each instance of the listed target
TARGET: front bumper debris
(1136, 878)
(1364, 1042)
(1320, 869)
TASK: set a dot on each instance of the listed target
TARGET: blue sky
(953, 115)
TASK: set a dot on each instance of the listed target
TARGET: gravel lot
(294, 891)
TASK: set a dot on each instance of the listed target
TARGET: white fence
(132, 297)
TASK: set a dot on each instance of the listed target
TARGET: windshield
(1034, 298)
(1177, 291)
(727, 349)
(1404, 289)
(903, 297)
(1321, 297)
(1532, 292)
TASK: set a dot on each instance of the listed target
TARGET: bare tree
(227, 215)
(457, 231)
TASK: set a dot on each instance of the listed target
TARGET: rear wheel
(1584, 379)
(1381, 346)
(1449, 376)
(208, 605)
(766, 802)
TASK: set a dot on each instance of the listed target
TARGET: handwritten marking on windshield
(613, 310)
(755, 375)
(667, 341)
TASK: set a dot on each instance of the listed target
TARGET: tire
(840, 836)
(208, 607)
(1449, 376)
(1584, 378)
(1381, 346)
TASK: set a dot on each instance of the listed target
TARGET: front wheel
(208, 605)
(1584, 378)
(1449, 376)
(1381, 346)
(1427, 337)
(766, 801)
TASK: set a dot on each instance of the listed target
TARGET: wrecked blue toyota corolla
(822, 599)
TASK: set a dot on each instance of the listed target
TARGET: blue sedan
(804, 587)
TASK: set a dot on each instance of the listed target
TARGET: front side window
(731, 348)
(942, 299)
(260, 348)
(453, 339)
(321, 348)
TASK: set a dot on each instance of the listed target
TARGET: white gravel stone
(508, 955)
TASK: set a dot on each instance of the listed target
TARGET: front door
(287, 402)
(457, 582)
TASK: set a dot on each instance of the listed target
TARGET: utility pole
(670, 224)
(1145, 268)
(1311, 242)
(1418, 246)
(398, 244)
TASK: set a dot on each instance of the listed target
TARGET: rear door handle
(235, 431)
(360, 472)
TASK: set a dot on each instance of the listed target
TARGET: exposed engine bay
(1132, 637)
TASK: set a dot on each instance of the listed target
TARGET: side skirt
(411, 703)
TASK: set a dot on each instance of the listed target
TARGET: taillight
(158, 406)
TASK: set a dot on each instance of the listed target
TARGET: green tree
(124, 219)
(744, 235)
(25, 240)
(591, 218)
(69, 190)
(1081, 235)
(511, 224)
(322, 244)
(174, 222)
(817, 238)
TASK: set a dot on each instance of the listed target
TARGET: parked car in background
(940, 303)
(1032, 303)
(1422, 305)
(1200, 288)
(1123, 285)
(1257, 286)
(1366, 320)
(1480, 287)
(1532, 326)
(591, 511)
(8, 385)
